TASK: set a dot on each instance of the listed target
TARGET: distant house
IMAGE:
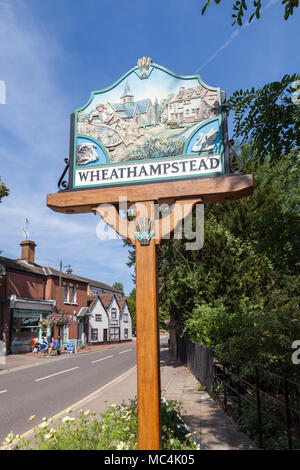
(110, 320)
(30, 292)
(193, 104)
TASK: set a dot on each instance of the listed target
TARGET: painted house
(193, 104)
(140, 112)
(110, 319)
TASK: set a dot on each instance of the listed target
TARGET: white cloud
(34, 127)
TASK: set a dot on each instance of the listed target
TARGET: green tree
(246, 275)
(119, 287)
(132, 308)
(239, 7)
(3, 190)
(132, 294)
(269, 118)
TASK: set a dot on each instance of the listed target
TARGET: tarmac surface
(214, 429)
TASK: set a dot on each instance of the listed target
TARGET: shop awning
(84, 312)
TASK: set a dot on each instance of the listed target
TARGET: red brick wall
(52, 292)
(31, 286)
(28, 286)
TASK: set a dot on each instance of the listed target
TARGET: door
(105, 336)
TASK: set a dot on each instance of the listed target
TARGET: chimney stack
(28, 251)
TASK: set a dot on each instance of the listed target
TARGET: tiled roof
(21, 265)
(128, 110)
(188, 93)
(121, 303)
(48, 271)
(106, 299)
(100, 285)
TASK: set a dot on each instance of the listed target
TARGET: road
(52, 386)
(47, 389)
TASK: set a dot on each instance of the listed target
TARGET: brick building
(29, 292)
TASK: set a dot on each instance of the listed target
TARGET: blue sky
(53, 53)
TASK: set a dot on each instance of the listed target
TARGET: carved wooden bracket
(161, 227)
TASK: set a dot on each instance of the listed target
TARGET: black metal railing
(265, 404)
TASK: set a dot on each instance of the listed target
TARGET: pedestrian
(44, 344)
(53, 346)
(34, 343)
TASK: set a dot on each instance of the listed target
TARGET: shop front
(27, 322)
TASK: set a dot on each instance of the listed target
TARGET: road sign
(151, 138)
(151, 125)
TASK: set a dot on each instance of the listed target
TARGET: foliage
(119, 287)
(244, 284)
(59, 320)
(132, 294)
(115, 430)
(248, 337)
(268, 117)
(240, 6)
(157, 147)
(132, 309)
(274, 436)
(3, 190)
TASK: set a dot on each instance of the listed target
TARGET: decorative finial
(144, 232)
(144, 67)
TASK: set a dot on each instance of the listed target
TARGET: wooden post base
(148, 353)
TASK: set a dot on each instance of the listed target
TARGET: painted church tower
(127, 97)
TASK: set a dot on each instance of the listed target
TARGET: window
(125, 317)
(114, 333)
(96, 291)
(74, 295)
(98, 317)
(67, 291)
(94, 335)
(113, 313)
(126, 333)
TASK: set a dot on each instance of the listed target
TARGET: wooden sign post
(166, 146)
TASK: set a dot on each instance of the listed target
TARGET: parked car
(133, 331)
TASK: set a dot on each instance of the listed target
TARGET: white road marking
(3, 391)
(122, 352)
(57, 373)
(102, 359)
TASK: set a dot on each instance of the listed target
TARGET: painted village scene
(148, 117)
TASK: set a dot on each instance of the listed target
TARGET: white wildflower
(122, 446)
(9, 438)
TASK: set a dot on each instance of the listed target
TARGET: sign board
(70, 347)
(150, 126)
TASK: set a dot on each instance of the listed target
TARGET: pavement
(214, 429)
